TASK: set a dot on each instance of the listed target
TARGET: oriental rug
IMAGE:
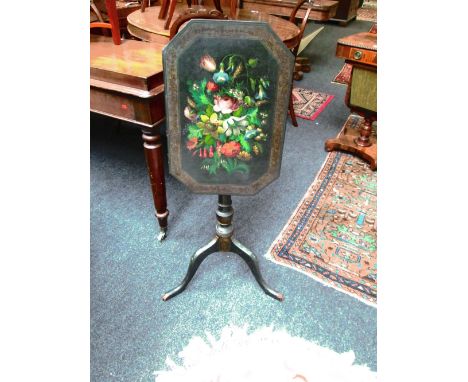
(266, 354)
(308, 104)
(343, 76)
(332, 234)
(367, 14)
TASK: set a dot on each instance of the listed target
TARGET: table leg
(155, 161)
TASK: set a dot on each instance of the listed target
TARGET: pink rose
(225, 104)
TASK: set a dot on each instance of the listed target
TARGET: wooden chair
(295, 49)
(195, 14)
(167, 9)
(113, 23)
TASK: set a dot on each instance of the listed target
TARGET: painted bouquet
(225, 113)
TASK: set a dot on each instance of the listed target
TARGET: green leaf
(209, 109)
(253, 82)
(252, 62)
(245, 145)
(222, 138)
(238, 112)
(242, 167)
(194, 132)
(209, 140)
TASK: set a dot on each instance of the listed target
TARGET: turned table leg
(155, 161)
(364, 133)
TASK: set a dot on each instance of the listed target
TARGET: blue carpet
(132, 330)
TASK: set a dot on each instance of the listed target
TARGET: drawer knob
(357, 55)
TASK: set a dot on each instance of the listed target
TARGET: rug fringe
(268, 256)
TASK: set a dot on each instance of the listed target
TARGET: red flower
(231, 149)
(192, 143)
(211, 86)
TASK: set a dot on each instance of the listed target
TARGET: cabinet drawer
(147, 111)
(355, 54)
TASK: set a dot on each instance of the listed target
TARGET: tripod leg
(195, 262)
(252, 262)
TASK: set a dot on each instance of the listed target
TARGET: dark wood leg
(364, 133)
(155, 162)
(223, 243)
(172, 6)
(252, 262)
(195, 262)
(163, 10)
(302, 64)
(144, 4)
(217, 4)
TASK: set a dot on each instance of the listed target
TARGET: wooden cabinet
(359, 50)
(346, 11)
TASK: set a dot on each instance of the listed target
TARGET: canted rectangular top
(134, 64)
(364, 40)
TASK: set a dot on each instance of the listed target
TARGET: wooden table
(127, 83)
(147, 27)
(360, 50)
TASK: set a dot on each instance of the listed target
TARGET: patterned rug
(343, 76)
(265, 354)
(367, 14)
(308, 104)
(332, 235)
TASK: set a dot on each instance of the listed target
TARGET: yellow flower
(244, 155)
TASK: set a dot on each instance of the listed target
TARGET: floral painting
(226, 112)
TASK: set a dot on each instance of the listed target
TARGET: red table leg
(155, 161)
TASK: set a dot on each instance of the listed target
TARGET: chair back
(302, 27)
(195, 14)
(113, 23)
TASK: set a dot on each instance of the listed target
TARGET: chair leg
(172, 7)
(291, 111)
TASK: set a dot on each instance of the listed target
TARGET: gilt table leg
(155, 162)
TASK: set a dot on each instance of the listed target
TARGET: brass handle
(357, 55)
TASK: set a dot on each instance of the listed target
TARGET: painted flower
(261, 95)
(231, 149)
(190, 114)
(221, 77)
(208, 63)
(211, 86)
(232, 125)
(244, 155)
(225, 104)
(192, 143)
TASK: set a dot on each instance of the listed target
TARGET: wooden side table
(127, 83)
(360, 50)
